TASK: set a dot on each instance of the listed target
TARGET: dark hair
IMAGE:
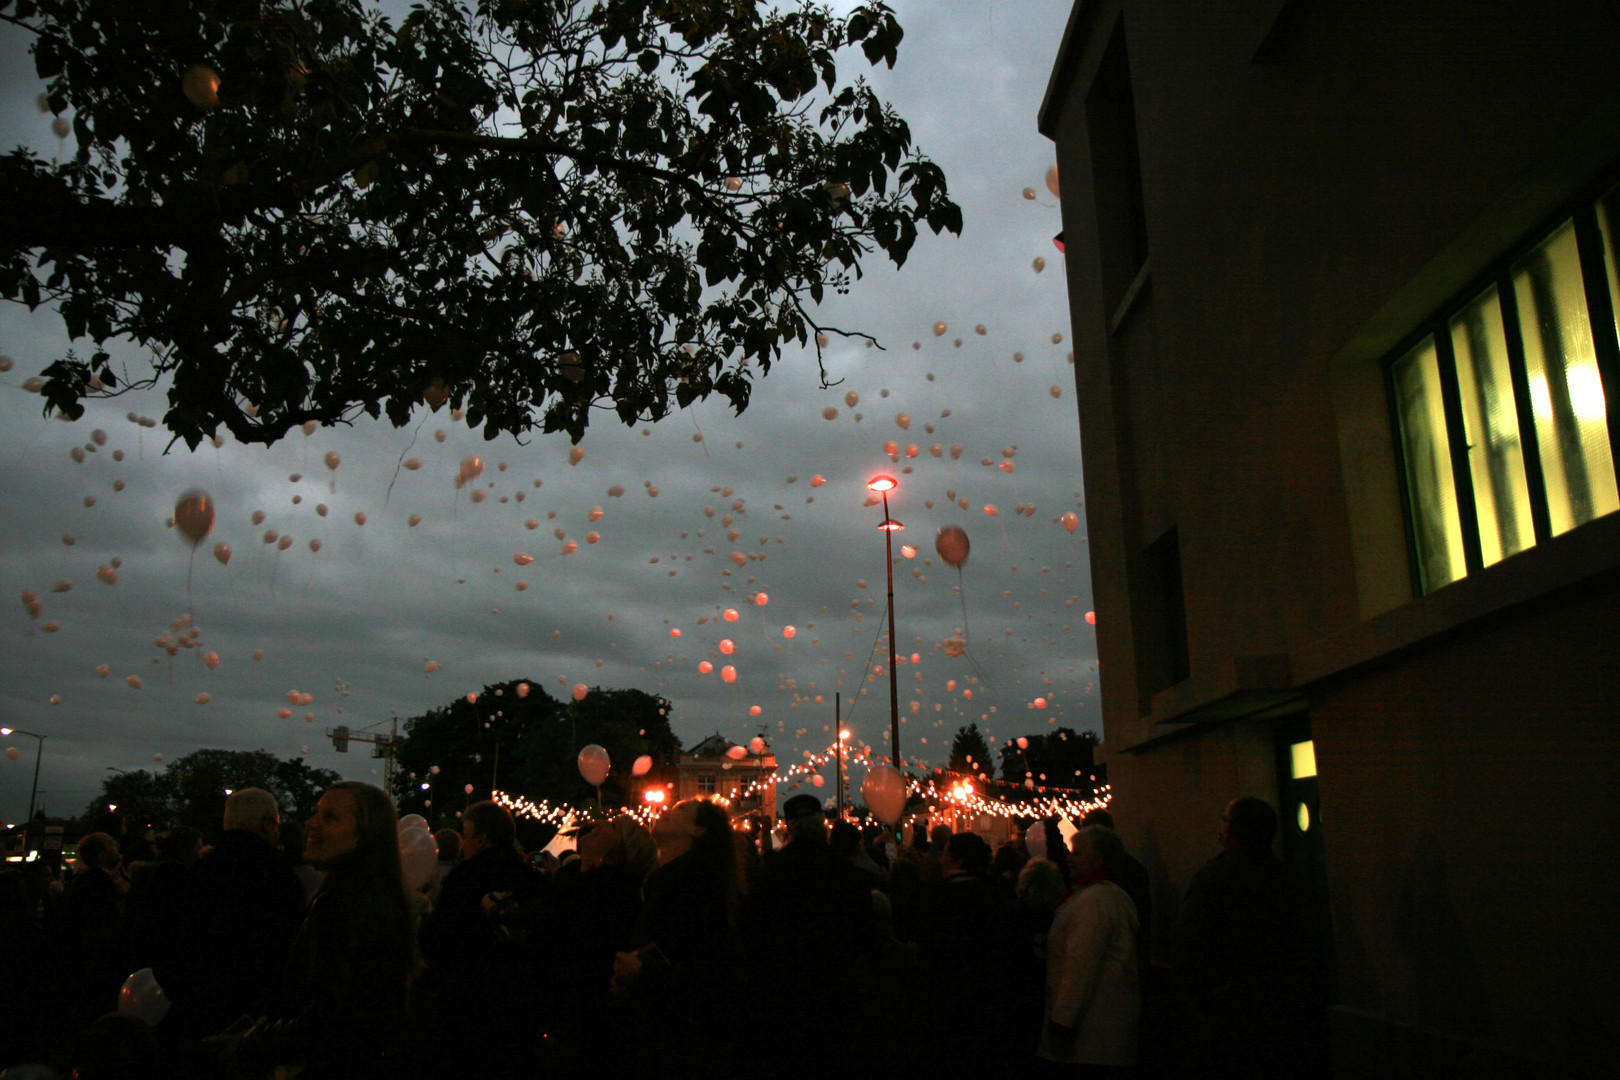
(94, 850)
(179, 843)
(1098, 816)
(970, 852)
(493, 822)
(845, 839)
(712, 849)
(371, 874)
(449, 844)
(1251, 823)
(1009, 860)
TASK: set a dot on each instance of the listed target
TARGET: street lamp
(883, 484)
(38, 750)
(843, 733)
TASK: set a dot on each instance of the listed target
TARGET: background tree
(527, 207)
(538, 740)
(140, 796)
(190, 790)
(1059, 759)
(970, 753)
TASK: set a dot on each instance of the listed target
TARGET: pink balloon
(884, 790)
(593, 764)
(728, 646)
(952, 545)
(728, 673)
(789, 631)
(642, 765)
(580, 690)
(737, 753)
(817, 779)
(1071, 521)
(730, 615)
(705, 667)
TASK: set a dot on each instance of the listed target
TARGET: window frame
(1582, 212)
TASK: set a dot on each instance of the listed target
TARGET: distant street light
(33, 792)
(883, 484)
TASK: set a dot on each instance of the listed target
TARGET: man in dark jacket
(487, 1005)
(808, 923)
(1244, 951)
(223, 950)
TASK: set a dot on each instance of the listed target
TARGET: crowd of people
(693, 948)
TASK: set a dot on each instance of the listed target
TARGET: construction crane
(382, 746)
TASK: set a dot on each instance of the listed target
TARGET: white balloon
(410, 821)
(418, 854)
(142, 997)
(884, 790)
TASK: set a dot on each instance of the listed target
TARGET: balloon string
(961, 594)
(401, 461)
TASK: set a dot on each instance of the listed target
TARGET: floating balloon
(1071, 521)
(194, 516)
(12, 753)
(674, 631)
(939, 329)
(1029, 193)
(761, 599)
(756, 745)
(1052, 181)
(200, 84)
(1040, 703)
(952, 545)
(730, 615)
(817, 480)
(205, 698)
(594, 764)
(705, 667)
(884, 790)
(736, 753)
(472, 467)
(816, 779)
(728, 673)
(728, 646)
(580, 690)
(789, 631)
(211, 660)
(1091, 618)
(642, 765)
(1039, 264)
(332, 460)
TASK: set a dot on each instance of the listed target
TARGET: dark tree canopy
(527, 208)
(537, 739)
(190, 790)
(970, 753)
(1059, 759)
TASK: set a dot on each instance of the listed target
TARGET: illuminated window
(1500, 404)
(707, 784)
(1302, 760)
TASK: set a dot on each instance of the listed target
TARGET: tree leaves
(468, 199)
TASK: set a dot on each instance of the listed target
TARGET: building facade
(717, 768)
(1343, 287)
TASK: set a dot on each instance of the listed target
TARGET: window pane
(1491, 428)
(1566, 393)
(1436, 526)
(1608, 214)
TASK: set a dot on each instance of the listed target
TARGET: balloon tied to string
(951, 544)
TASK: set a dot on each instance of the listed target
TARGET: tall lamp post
(883, 484)
(38, 750)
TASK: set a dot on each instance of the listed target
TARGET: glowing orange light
(881, 483)
(654, 795)
(891, 525)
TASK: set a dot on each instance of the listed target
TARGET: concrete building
(1343, 286)
(746, 783)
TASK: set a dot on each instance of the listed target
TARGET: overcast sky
(356, 624)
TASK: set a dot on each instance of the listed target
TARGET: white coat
(1092, 982)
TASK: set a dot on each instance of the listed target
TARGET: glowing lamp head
(881, 483)
(844, 734)
(6, 730)
(654, 796)
(890, 525)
